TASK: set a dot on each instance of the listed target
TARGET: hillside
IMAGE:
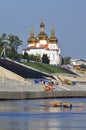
(48, 68)
(61, 74)
(18, 71)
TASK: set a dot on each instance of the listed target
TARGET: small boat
(60, 104)
(67, 105)
(57, 104)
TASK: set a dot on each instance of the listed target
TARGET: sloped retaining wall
(41, 95)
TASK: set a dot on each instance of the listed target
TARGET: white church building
(42, 44)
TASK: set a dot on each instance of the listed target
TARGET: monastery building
(42, 44)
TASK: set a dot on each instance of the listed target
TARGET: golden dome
(42, 35)
(53, 39)
(32, 39)
(42, 25)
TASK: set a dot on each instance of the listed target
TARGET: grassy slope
(46, 68)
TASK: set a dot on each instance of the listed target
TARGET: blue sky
(68, 16)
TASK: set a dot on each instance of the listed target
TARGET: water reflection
(39, 115)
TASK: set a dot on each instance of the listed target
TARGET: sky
(68, 16)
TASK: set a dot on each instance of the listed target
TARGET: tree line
(36, 58)
(9, 45)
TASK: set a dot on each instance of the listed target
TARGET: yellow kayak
(57, 104)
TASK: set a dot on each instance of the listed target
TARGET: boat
(60, 104)
(67, 105)
(57, 104)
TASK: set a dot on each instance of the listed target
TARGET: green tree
(45, 59)
(32, 57)
(66, 60)
(62, 61)
(26, 56)
(9, 45)
(14, 43)
(38, 57)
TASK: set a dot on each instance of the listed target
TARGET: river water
(39, 115)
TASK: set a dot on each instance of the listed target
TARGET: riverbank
(41, 95)
(14, 90)
(14, 87)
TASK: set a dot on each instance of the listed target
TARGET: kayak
(66, 104)
(57, 104)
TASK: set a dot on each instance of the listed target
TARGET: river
(38, 115)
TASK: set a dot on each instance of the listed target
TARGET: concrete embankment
(11, 88)
(41, 95)
(15, 90)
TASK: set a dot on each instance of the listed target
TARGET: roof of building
(42, 35)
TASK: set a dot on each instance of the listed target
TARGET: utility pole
(3, 54)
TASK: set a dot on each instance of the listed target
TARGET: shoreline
(41, 95)
(14, 90)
